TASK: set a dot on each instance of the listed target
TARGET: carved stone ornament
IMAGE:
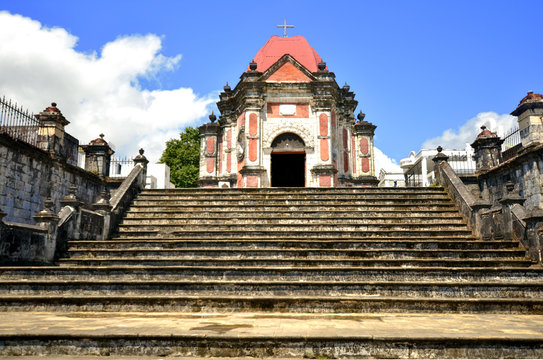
(241, 144)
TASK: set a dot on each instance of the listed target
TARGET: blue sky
(418, 68)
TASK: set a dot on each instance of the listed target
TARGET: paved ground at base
(368, 326)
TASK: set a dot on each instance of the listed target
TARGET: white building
(418, 168)
(391, 178)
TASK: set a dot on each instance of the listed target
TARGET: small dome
(99, 141)
(52, 109)
(485, 133)
(531, 97)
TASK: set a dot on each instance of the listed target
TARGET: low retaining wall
(30, 175)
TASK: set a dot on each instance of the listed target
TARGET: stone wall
(505, 200)
(524, 170)
(29, 175)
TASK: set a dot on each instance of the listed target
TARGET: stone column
(438, 159)
(51, 130)
(141, 159)
(72, 201)
(209, 134)
(487, 148)
(530, 115)
(3, 227)
(363, 152)
(534, 234)
(98, 156)
(103, 207)
(507, 202)
(2, 215)
(48, 221)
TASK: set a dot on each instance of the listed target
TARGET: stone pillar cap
(46, 215)
(141, 158)
(440, 156)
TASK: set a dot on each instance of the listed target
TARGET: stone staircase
(332, 254)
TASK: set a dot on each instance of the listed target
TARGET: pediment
(287, 69)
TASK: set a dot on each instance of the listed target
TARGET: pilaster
(209, 135)
(363, 152)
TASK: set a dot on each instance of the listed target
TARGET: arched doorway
(288, 161)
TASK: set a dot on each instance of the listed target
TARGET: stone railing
(505, 218)
(470, 207)
(131, 186)
(29, 244)
(44, 242)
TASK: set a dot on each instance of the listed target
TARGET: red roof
(296, 46)
(531, 97)
(485, 132)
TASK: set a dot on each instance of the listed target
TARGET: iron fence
(512, 143)
(413, 180)
(18, 123)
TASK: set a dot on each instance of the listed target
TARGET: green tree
(183, 157)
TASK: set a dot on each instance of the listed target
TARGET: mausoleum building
(287, 123)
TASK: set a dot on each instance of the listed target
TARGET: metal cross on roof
(285, 26)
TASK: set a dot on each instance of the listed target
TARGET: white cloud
(382, 161)
(457, 139)
(97, 92)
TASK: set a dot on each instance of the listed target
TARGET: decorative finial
(102, 135)
(141, 151)
(285, 26)
(212, 117)
(530, 92)
(361, 116)
(321, 65)
(253, 65)
(439, 149)
(227, 88)
(483, 127)
(346, 87)
(54, 104)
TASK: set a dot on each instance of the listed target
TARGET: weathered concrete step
(270, 288)
(330, 202)
(340, 233)
(140, 212)
(240, 253)
(217, 346)
(279, 336)
(309, 191)
(281, 197)
(259, 272)
(230, 220)
(233, 208)
(269, 304)
(314, 226)
(339, 237)
(420, 244)
(83, 261)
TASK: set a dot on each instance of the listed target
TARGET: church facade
(287, 123)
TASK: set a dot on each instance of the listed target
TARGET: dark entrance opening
(288, 161)
(288, 170)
